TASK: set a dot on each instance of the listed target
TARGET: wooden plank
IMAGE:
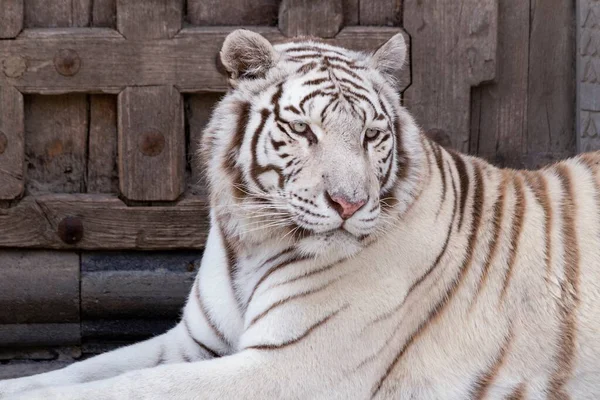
(12, 153)
(102, 173)
(499, 133)
(37, 335)
(232, 12)
(381, 12)
(55, 143)
(136, 285)
(104, 13)
(149, 19)
(151, 143)
(199, 109)
(11, 18)
(126, 329)
(187, 61)
(106, 223)
(588, 75)
(551, 89)
(38, 287)
(20, 369)
(311, 18)
(454, 48)
(52, 14)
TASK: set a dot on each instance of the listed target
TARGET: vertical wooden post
(150, 125)
(453, 49)
(588, 75)
(12, 151)
(11, 18)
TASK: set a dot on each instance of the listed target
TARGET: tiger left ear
(246, 55)
(389, 59)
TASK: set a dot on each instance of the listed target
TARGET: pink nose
(343, 206)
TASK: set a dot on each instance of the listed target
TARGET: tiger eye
(299, 127)
(372, 133)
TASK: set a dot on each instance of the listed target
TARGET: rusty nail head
(152, 143)
(3, 143)
(14, 66)
(67, 62)
(70, 230)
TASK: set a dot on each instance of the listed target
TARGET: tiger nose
(346, 208)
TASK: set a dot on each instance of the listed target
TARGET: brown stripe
(292, 109)
(274, 268)
(231, 259)
(313, 94)
(161, 356)
(437, 310)
(184, 356)
(204, 347)
(209, 319)
(565, 358)
(515, 235)
(299, 338)
(518, 393)
(439, 159)
(287, 299)
(537, 182)
(242, 110)
(497, 226)
(317, 81)
(483, 383)
(464, 184)
(306, 68)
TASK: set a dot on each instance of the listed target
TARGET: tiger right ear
(389, 59)
(247, 55)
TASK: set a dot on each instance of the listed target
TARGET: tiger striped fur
(349, 257)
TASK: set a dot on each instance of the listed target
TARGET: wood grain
(107, 223)
(56, 131)
(454, 48)
(187, 61)
(39, 287)
(102, 172)
(151, 143)
(551, 86)
(38, 335)
(311, 18)
(12, 153)
(149, 19)
(381, 12)
(104, 13)
(11, 18)
(232, 12)
(499, 129)
(52, 14)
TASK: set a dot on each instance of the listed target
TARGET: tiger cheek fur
(349, 257)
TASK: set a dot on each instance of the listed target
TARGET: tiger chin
(350, 257)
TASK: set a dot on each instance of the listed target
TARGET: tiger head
(311, 138)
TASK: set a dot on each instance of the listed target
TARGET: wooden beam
(313, 18)
(151, 143)
(106, 62)
(84, 221)
(12, 151)
(11, 18)
(149, 19)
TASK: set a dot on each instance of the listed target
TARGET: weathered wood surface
(588, 75)
(124, 330)
(380, 12)
(104, 13)
(149, 19)
(151, 143)
(131, 285)
(52, 14)
(232, 12)
(198, 111)
(454, 45)
(311, 18)
(12, 152)
(37, 335)
(107, 223)
(102, 172)
(186, 61)
(39, 287)
(11, 18)
(56, 132)
(19, 369)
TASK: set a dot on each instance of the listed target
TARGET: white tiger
(349, 257)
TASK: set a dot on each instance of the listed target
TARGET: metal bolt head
(67, 62)
(151, 144)
(70, 230)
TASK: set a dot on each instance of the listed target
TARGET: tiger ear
(390, 57)
(246, 55)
